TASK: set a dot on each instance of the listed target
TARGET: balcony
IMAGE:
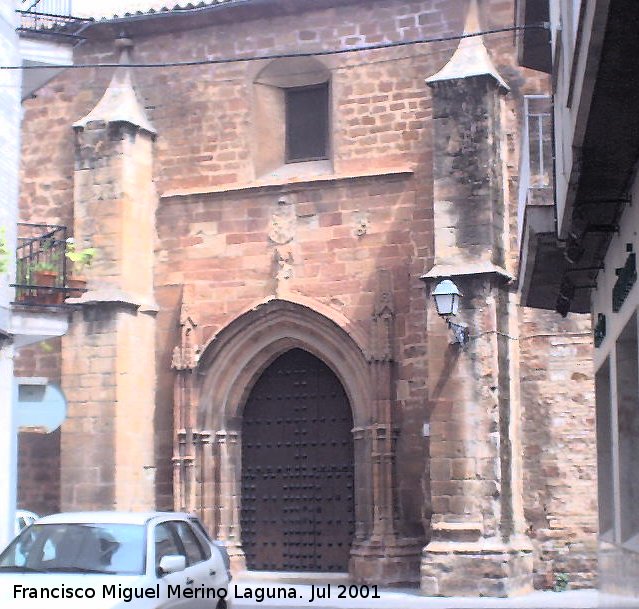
(540, 259)
(42, 266)
(48, 33)
(536, 162)
(50, 18)
(37, 312)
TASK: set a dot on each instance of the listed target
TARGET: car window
(194, 551)
(199, 527)
(122, 548)
(165, 543)
(77, 548)
(202, 537)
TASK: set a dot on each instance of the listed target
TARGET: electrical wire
(530, 336)
(227, 60)
(355, 64)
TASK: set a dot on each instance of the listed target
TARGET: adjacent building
(273, 199)
(579, 255)
(20, 324)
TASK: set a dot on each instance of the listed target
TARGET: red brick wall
(39, 453)
(203, 113)
(39, 472)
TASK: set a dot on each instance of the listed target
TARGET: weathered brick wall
(560, 475)
(203, 113)
(39, 472)
(328, 262)
(39, 453)
(88, 438)
(214, 218)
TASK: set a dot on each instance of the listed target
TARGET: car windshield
(78, 548)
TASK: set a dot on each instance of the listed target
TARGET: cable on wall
(226, 60)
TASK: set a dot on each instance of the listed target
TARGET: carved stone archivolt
(231, 363)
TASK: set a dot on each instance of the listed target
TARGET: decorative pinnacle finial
(471, 57)
(119, 104)
(123, 42)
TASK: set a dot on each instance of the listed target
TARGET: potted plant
(45, 276)
(81, 259)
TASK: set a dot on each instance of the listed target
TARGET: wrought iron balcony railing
(52, 7)
(42, 265)
(51, 18)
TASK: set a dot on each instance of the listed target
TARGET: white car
(23, 519)
(113, 560)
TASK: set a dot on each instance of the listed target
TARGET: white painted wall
(10, 111)
(623, 373)
(574, 78)
(615, 258)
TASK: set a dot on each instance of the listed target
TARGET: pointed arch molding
(234, 359)
(228, 368)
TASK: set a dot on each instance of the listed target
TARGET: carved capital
(201, 437)
(226, 437)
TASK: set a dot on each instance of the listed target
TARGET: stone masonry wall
(560, 475)
(229, 238)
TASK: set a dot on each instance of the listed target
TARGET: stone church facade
(258, 344)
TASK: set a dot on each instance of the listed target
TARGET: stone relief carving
(361, 223)
(187, 353)
(283, 264)
(383, 317)
(283, 221)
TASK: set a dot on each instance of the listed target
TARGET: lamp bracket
(460, 332)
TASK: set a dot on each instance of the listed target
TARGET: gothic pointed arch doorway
(297, 483)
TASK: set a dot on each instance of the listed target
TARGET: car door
(167, 543)
(216, 554)
(200, 568)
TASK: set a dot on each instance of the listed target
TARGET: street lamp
(446, 295)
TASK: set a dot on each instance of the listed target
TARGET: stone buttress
(108, 459)
(478, 546)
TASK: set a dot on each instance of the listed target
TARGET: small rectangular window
(307, 123)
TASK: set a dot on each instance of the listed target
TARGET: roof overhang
(230, 11)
